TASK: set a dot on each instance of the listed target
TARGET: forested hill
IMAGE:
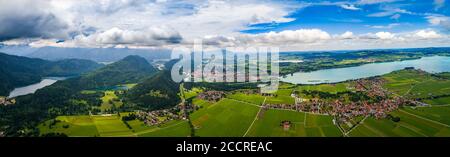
(57, 99)
(131, 69)
(157, 92)
(16, 71)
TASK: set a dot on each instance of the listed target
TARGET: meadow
(415, 84)
(302, 125)
(225, 118)
(109, 101)
(249, 98)
(410, 125)
(283, 96)
(111, 126)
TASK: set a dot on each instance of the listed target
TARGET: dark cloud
(29, 19)
(31, 26)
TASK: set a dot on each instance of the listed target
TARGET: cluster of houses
(373, 87)
(157, 117)
(345, 111)
(213, 96)
(5, 101)
(378, 110)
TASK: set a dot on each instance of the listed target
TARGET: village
(5, 101)
(378, 106)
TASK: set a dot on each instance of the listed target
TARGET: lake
(34, 87)
(434, 64)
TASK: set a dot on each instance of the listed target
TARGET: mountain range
(16, 71)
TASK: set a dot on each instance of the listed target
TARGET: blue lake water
(434, 64)
(34, 87)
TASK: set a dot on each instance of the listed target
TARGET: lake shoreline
(32, 88)
(430, 64)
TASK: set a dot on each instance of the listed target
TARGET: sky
(303, 25)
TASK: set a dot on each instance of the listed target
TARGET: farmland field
(111, 126)
(438, 101)
(302, 124)
(225, 118)
(408, 126)
(109, 101)
(435, 113)
(415, 84)
(176, 128)
(331, 88)
(283, 96)
(250, 98)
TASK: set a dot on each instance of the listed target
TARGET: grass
(250, 98)
(78, 126)
(225, 118)
(283, 96)
(130, 85)
(415, 84)
(109, 100)
(192, 93)
(201, 103)
(302, 125)
(112, 126)
(409, 126)
(436, 113)
(438, 101)
(330, 88)
(170, 129)
(88, 92)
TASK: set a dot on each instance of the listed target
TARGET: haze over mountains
(16, 71)
(95, 54)
(155, 90)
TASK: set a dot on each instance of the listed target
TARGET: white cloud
(347, 35)
(349, 7)
(395, 16)
(316, 39)
(285, 37)
(165, 23)
(437, 19)
(385, 35)
(438, 4)
(192, 19)
(375, 1)
(19, 19)
(390, 12)
(389, 26)
(428, 34)
(152, 37)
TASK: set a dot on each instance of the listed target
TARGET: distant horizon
(156, 49)
(297, 25)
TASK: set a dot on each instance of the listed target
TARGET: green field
(110, 100)
(201, 103)
(237, 114)
(302, 125)
(225, 118)
(415, 84)
(438, 101)
(112, 126)
(283, 96)
(330, 88)
(409, 126)
(250, 98)
(436, 113)
(170, 129)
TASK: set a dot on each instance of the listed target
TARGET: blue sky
(336, 19)
(290, 25)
